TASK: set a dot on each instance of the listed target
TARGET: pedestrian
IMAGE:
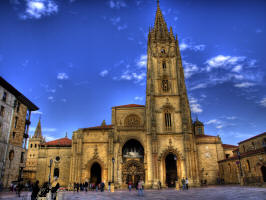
(186, 183)
(19, 188)
(86, 186)
(109, 186)
(102, 186)
(77, 186)
(183, 183)
(159, 185)
(140, 187)
(129, 186)
(55, 187)
(96, 187)
(35, 190)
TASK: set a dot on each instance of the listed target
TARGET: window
(57, 158)
(164, 65)
(248, 165)
(56, 172)
(162, 51)
(165, 85)
(22, 157)
(229, 166)
(35, 145)
(18, 106)
(244, 148)
(132, 121)
(200, 131)
(253, 145)
(2, 111)
(16, 122)
(227, 155)
(167, 119)
(14, 135)
(4, 97)
(11, 155)
(30, 145)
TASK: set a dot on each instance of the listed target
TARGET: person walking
(35, 190)
(183, 183)
(86, 184)
(109, 186)
(159, 185)
(186, 183)
(102, 186)
(55, 187)
(140, 187)
(129, 186)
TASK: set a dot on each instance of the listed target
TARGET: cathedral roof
(129, 106)
(229, 146)
(62, 142)
(253, 137)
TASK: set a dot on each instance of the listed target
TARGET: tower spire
(38, 130)
(160, 26)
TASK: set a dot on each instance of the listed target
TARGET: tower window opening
(168, 123)
(165, 85)
(164, 65)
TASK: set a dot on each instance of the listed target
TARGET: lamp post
(113, 161)
(50, 166)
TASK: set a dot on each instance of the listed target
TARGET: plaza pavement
(203, 193)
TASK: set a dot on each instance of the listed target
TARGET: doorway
(171, 170)
(96, 173)
(263, 172)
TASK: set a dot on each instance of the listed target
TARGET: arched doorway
(171, 170)
(133, 162)
(96, 173)
(263, 172)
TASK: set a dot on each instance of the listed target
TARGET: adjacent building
(247, 166)
(14, 127)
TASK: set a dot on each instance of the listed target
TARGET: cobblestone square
(204, 193)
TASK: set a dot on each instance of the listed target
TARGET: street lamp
(240, 167)
(50, 166)
(113, 161)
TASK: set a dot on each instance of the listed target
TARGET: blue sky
(75, 59)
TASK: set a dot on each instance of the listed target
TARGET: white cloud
(231, 118)
(244, 85)
(121, 27)
(198, 86)
(51, 98)
(62, 76)
(237, 68)
(49, 138)
(223, 61)
(44, 129)
(115, 20)
(194, 105)
(127, 75)
(188, 45)
(217, 123)
(117, 4)
(137, 98)
(142, 61)
(103, 73)
(258, 30)
(263, 102)
(175, 18)
(63, 100)
(37, 112)
(189, 69)
(39, 8)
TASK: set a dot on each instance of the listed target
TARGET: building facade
(154, 142)
(15, 117)
(247, 166)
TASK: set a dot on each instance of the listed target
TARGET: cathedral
(155, 142)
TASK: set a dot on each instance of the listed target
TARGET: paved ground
(205, 193)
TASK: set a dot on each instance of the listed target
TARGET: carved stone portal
(133, 170)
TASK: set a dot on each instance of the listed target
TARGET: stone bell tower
(167, 107)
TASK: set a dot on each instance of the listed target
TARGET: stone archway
(174, 172)
(171, 170)
(133, 162)
(96, 173)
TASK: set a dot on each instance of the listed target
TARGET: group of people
(44, 190)
(139, 186)
(88, 186)
(184, 183)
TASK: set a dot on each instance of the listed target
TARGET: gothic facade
(155, 142)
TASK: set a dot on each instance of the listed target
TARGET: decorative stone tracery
(132, 120)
